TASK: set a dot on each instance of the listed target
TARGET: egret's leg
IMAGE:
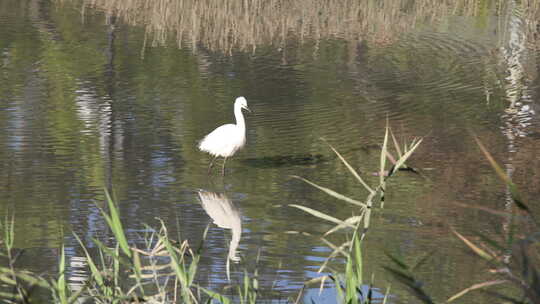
(211, 164)
(223, 168)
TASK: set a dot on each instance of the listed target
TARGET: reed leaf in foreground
(516, 197)
(184, 275)
(7, 276)
(479, 251)
(332, 193)
(61, 282)
(216, 296)
(350, 222)
(351, 169)
(323, 216)
(96, 274)
(350, 285)
(113, 220)
(403, 158)
(137, 270)
(249, 289)
(383, 158)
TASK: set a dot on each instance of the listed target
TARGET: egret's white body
(227, 139)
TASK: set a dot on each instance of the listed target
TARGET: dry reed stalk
(246, 24)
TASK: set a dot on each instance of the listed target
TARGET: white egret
(227, 139)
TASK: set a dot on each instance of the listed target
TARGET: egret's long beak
(247, 109)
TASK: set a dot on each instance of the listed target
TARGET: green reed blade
(10, 296)
(350, 283)
(332, 193)
(192, 269)
(391, 157)
(116, 266)
(178, 266)
(404, 158)
(217, 296)
(114, 254)
(490, 241)
(33, 280)
(334, 253)
(367, 218)
(351, 169)
(351, 221)
(137, 270)
(9, 233)
(116, 225)
(246, 285)
(384, 150)
(480, 252)
(357, 252)
(6, 278)
(61, 282)
(96, 274)
(396, 144)
(503, 176)
(322, 215)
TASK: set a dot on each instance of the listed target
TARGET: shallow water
(85, 106)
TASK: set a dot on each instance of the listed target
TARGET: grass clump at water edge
(117, 275)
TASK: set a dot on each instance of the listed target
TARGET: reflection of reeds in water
(225, 25)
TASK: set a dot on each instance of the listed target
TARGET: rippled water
(85, 106)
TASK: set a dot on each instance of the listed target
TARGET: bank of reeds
(245, 25)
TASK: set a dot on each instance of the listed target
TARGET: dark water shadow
(286, 160)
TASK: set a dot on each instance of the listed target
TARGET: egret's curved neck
(239, 117)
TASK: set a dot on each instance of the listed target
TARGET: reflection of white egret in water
(220, 208)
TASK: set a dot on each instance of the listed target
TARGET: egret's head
(242, 103)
